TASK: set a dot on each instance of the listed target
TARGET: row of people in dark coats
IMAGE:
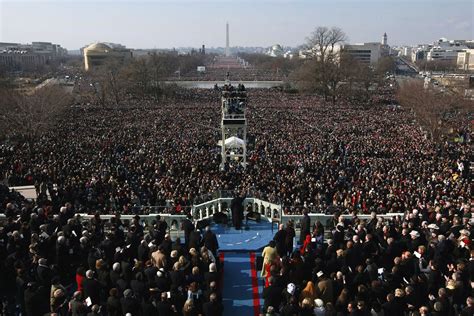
(95, 267)
(419, 264)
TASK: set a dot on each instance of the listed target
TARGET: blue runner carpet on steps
(238, 292)
(253, 239)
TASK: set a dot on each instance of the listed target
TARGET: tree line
(141, 77)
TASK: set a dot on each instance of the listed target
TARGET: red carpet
(256, 299)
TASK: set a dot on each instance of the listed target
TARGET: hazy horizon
(191, 23)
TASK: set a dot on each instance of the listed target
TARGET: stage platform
(254, 239)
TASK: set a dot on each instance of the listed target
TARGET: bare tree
(160, 67)
(322, 73)
(140, 75)
(28, 115)
(385, 65)
(109, 83)
(433, 109)
(324, 40)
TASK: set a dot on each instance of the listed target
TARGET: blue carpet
(237, 285)
(257, 237)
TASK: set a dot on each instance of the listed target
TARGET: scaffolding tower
(233, 125)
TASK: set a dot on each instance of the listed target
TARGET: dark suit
(237, 209)
(114, 308)
(394, 308)
(280, 240)
(130, 305)
(32, 302)
(44, 275)
(92, 289)
(188, 227)
(305, 228)
(164, 308)
(212, 309)
(211, 277)
(195, 240)
(178, 279)
(272, 297)
(290, 310)
(210, 241)
(290, 234)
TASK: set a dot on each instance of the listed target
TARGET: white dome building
(276, 51)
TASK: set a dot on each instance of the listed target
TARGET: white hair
(116, 266)
(212, 267)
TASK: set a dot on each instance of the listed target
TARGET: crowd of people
(238, 74)
(64, 265)
(306, 154)
(161, 156)
(420, 264)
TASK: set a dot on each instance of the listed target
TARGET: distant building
(366, 53)
(289, 54)
(420, 52)
(465, 60)
(16, 56)
(441, 50)
(48, 49)
(275, 51)
(21, 61)
(41, 48)
(405, 51)
(98, 54)
(446, 50)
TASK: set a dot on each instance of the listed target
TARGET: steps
(241, 285)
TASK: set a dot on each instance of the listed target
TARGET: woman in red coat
(306, 242)
(80, 276)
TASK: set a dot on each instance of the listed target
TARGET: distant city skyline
(191, 23)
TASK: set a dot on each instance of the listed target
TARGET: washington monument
(227, 50)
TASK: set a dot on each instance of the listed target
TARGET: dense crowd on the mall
(306, 154)
(238, 74)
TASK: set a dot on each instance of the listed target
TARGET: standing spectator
(209, 240)
(269, 255)
(91, 288)
(280, 241)
(305, 226)
(213, 307)
(77, 307)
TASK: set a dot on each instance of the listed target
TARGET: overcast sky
(179, 23)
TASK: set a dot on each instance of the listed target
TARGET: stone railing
(325, 218)
(267, 210)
